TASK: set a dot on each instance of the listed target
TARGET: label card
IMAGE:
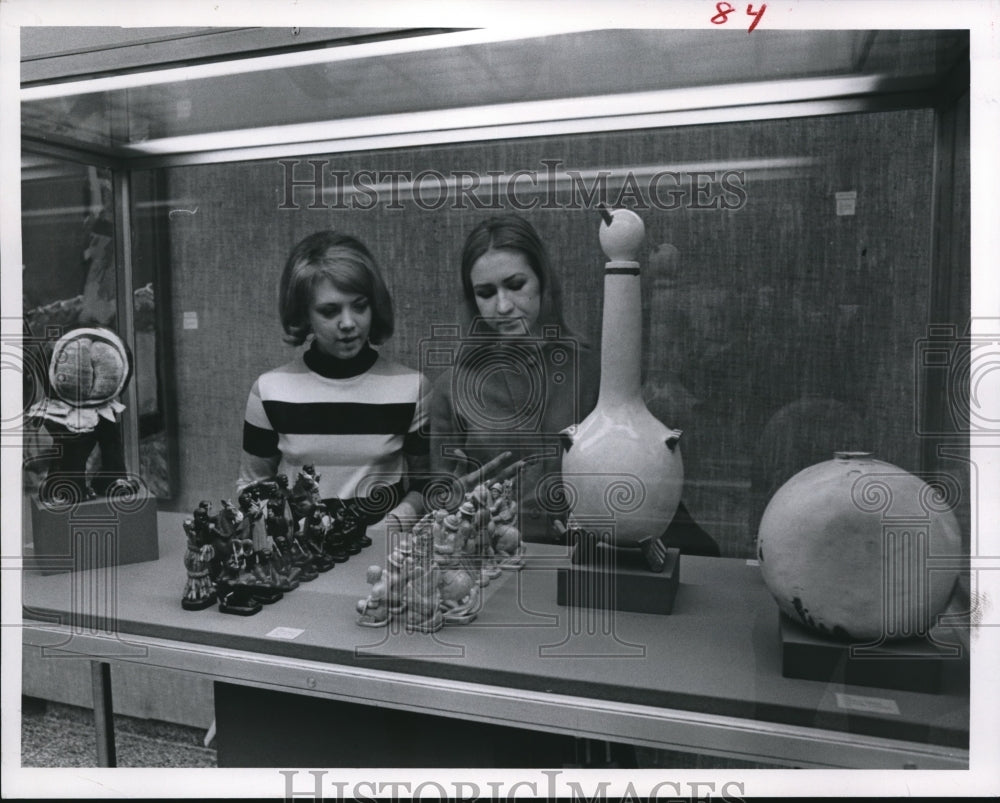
(846, 202)
(285, 632)
(872, 705)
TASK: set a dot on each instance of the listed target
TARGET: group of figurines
(433, 573)
(277, 537)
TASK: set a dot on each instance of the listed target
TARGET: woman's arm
(446, 434)
(261, 456)
(416, 453)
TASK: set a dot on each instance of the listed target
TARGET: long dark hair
(514, 233)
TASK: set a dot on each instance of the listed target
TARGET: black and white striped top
(353, 420)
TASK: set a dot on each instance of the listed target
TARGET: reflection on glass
(69, 281)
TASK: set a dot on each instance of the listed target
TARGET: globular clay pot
(847, 546)
(621, 462)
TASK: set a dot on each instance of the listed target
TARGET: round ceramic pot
(847, 547)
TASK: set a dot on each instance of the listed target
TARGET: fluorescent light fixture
(473, 121)
(325, 55)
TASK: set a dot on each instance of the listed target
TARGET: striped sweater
(353, 420)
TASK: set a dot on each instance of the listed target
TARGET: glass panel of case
(786, 269)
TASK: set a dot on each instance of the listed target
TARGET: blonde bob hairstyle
(349, 265)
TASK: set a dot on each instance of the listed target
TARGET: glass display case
(785, 327)
(806, 203)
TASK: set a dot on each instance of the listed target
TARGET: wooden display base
(908, 665)
(619, 580)
(92, 534)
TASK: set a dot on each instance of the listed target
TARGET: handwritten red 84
(723, 10)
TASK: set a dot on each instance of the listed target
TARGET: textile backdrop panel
(772, 302)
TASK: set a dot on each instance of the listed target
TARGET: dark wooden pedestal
(619, 580)
(909, 665)
(93, 534)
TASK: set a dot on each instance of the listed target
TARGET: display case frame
(735, 737)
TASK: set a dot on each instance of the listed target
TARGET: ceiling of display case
(376, 83)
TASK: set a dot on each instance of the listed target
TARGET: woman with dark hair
(339, 406)
(520, 375)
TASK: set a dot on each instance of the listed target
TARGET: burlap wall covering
(777, 302)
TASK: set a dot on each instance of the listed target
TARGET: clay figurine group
(250, 555)
(433, 573)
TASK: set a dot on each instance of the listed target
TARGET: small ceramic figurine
(279, 555)
(252, 509)
(241, 567)
(434, 572)
(423, 600)
(480, 499)
(468, 540)
(304, 495)
(374, 609)
(199, 591)
(422, 542)
(235, 584)
(316, 526)
(335, 545)
(458, 588)
(398, 566)
(446, 535)
(353, 527)
(496, 499)
(205, 522)
(217, 531)
(504, 535)
(288, 554)
(480, 549)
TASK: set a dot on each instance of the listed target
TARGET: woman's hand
(499, 468)
(397, 521)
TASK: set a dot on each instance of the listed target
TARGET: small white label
(190, 320)
(873, 705)
(285, 632)
(846, 202)
(752, 562)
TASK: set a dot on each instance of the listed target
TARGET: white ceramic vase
(622, 467)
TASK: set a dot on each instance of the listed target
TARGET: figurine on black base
(334, 542)
(237, 599)
(271, 584)
(304, 495)
(285, 574)
(356, 527)
(234, 592)
(237, 566)
(316, 525)
(199, 591)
